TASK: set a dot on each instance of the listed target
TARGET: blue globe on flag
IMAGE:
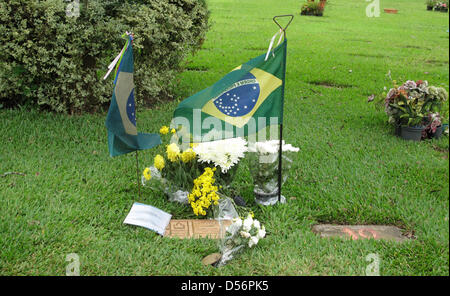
(239, 99)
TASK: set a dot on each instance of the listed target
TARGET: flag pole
(137, 173)
(137, 156)
(280, 150)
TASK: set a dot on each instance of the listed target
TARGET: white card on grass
(149, 217)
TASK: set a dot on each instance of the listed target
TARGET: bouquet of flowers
(204, 193)
(173, 171)
(189, 176)
(225, 155)
(240, 235)
(264, 158)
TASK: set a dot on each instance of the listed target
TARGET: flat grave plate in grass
(191, 228)
(385, 232)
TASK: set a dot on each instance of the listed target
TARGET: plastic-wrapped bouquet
(240, 235)
(173, 170)
(225, 155)
(177, 171)
(264, 169)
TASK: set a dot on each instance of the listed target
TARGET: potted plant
(410, 105)
(434, 127)
(437, 6)
(322, 6)
(441, 6)
(430, 4)
(313, 8)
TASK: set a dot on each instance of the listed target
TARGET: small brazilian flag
(251, 93)
(121, 119)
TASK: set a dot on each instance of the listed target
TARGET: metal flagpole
(280, 150)
(137, 157)
(137, 173)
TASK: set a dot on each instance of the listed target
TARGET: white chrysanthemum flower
(253, 241)
(290, 148)
(271, 147)
(223, 153)
(233, 229)
(247, 224)
(237, 222)
(261, 233)
(256, 224)
(245, 234)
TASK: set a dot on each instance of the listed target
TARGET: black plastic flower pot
(429, 7)
(438, 133)
(412, 133)
(444, 9)
(398, 130)
(307, 13)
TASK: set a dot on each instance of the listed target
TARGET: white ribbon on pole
(113, 63)
(116, 59)
(272, 41)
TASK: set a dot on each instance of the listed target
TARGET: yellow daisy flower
(164, 130)
(159, 162)
(188, 155)
(173, 152)
(147, 174)
(204, 193)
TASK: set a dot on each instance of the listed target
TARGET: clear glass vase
(264, 171)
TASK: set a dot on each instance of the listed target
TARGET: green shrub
(58, 62)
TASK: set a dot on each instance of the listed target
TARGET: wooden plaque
(194, 228)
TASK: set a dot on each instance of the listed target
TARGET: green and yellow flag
(247, 99)
(123, 136)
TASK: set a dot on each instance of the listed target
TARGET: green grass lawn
(350, 169)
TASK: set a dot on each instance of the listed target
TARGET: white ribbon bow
(271, 43)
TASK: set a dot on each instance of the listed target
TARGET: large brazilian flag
(123, 136)
(254, 92)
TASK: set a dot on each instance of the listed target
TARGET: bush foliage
(58, 61)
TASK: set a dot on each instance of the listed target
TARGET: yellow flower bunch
(159, 162)
(204, 192)
(147, 174)
(173, 152)
(164, 130)
(188, 155)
